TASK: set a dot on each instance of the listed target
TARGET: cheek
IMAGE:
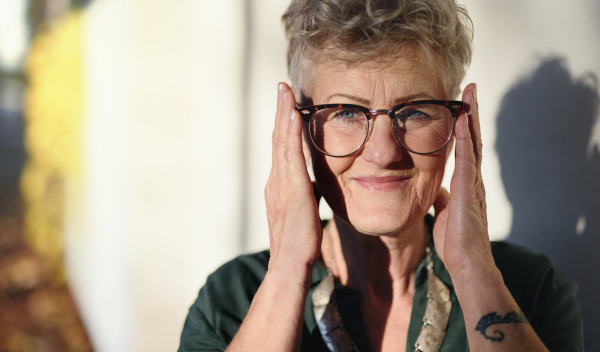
(431, 172)
(329, 177)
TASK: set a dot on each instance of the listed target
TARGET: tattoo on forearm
(494, 318)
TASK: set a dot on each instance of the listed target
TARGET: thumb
(441, 201)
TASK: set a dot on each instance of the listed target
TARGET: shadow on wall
(551, 172)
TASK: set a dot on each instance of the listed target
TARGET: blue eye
(345, 114)
(412, 114)
(348, 116)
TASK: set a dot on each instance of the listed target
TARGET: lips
(381, 184)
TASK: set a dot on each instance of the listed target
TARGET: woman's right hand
(275, 318)
(292, 211)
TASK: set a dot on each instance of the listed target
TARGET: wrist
(476, 274)
(291, 273)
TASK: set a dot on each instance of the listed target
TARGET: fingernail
(475, 92)
(293, 115)
(279, 86)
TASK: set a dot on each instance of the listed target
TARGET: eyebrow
(368, 102)
(349, 96)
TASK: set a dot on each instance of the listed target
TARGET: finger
(279, 100)
(276, 127)
(470, 96)
(441, 201)
(294, 154)
(284, 115)
(278, 111)
(465, 168)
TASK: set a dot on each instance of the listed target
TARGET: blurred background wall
(147, 169)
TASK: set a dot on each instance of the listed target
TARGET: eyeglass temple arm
(304, 113)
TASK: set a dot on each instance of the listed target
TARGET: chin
(381, 220)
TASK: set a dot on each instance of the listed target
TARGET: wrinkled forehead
(375, 82)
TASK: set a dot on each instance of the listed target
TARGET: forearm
(493, 319)
(275, 318)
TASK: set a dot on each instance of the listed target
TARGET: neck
(374, 265)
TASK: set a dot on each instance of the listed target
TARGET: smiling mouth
(381, 184)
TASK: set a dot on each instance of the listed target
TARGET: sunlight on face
(382, 189)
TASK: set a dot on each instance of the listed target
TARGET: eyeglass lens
(423, 128)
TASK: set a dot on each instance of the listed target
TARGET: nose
(381, 148)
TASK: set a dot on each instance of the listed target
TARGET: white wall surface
(161, 208)
(511, 39)
(176, 164)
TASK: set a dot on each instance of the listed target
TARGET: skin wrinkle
(353, 82)
(394, 220)
(378, 62)
(396, 224)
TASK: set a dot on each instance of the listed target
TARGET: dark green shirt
(545, 297)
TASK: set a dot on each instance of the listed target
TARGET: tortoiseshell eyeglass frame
(455, 107)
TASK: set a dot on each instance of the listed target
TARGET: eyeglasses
(421, 127)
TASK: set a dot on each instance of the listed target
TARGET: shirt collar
(320, 271)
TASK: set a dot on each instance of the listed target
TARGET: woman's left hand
(462, 243)
(460, 230)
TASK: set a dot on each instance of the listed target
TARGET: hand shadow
(551, 173)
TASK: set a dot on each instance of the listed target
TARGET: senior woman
(371, 105)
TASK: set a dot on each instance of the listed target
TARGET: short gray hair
(376, 31)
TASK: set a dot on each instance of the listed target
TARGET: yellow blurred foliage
(53, 135)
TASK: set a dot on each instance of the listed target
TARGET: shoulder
(244, 270)
(525, 273)
(524, 268)
(544, 294)
(222, 304)
(232, 286)
(519, 263)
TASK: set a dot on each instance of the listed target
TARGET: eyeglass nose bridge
(369, 129)
(373, 113)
